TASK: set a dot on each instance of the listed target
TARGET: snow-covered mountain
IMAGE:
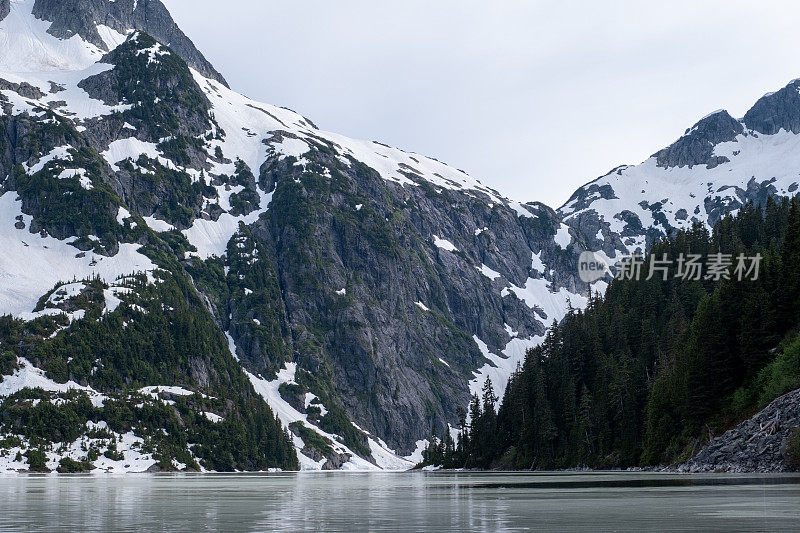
(366, 291)
(717, 166)
(171, 245)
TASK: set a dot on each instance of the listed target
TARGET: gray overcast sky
(533, 98)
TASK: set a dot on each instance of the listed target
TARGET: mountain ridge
(719, 164)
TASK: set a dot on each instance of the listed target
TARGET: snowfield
(31, 265)
(684, 191)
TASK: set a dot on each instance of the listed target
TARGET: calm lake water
(354, 502)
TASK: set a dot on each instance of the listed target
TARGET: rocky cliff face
(386, 287)
(776, 111)
(90, 18)
(391, 284)
(756, 445)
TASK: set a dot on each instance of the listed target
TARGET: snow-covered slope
(31, 264)
(256, 130)
(57, 35)
(716, 166)
(31, 49)
(384, 457)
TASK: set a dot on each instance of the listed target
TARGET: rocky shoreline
(756, 445)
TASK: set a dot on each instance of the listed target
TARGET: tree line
(655, 368)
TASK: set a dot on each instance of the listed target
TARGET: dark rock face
(5, 8)
(756, 445)
(23, 89)
(166, 99)
(71, 17)
(697, 146)
(351, 278)
(776, 111)
(167, 102)
(583, 197)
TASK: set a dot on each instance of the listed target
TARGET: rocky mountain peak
(103, 23)
(696, 147)
(717, 166)
(776, 111)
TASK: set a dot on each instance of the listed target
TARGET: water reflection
(354, 502)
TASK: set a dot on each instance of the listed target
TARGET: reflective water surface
(352, 502)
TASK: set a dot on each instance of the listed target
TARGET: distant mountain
(718, 165)
(364, 292)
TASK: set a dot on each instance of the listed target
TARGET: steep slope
(73, 34)
(718, 165)
(109, 358)
(756, 445)
(366, 290)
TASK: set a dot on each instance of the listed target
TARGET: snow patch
(154, 390)
(488, 272)
(291, 147)
(563, 238)
(385, 457)
(158, 225)
(422, 306)
(444, 244)
(122, 214)
(28, 376)
(536, 263)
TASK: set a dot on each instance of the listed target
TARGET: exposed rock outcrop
(776, 111)
(756, 445)
(696, 147)
(71, 17)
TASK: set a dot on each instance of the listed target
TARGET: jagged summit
(717, 166)
(696, 147)
(73, 34)
(776, 111)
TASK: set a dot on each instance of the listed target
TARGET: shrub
(71, 466)
(12, 441)
(37, 460)
(8, 362)
(782, 375)
(113, 454)
(312, 439)
(287, 390)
